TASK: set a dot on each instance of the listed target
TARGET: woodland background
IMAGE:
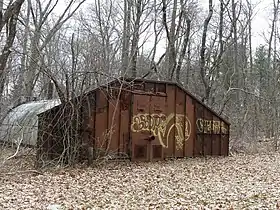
(60, 49)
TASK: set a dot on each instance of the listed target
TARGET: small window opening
(161, 88)
(150, 87)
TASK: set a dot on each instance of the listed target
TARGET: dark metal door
(147, 118)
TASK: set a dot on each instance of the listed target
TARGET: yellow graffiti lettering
(214, 126)
(161, 126)
(199, 125)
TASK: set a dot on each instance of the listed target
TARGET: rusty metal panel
(124, 132)
(113, 128)
(147, 136)
(171, 115)
(216, 145)
(198, 145)
(207, 150)
(140, 127)
(113, 117)
(158, 113)
(125, 106)
(101, 127)
(181, 123)
(190, 136)
(171, 101)
(211, 133)
(149, 87)
(207, 122)
(216, 136)
(224, 139)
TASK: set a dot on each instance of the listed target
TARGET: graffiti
(161, 126)
(211, 126)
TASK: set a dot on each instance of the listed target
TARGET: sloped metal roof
(21, 123)
(131, 80)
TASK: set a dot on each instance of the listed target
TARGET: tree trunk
(184, 49)
(10, 19)
(202, 53)
(135, 39)
(126, 36)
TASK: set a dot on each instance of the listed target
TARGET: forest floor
(235, 182)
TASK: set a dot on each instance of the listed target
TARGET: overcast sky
(263, 11)
(261, 20)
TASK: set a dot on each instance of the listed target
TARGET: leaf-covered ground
(236, 182)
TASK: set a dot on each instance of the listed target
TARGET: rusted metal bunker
(134, 118)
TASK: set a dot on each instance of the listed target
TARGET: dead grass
(236, 182)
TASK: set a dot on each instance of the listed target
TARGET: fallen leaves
(237, 182)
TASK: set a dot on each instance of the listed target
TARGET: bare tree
(8, 18)
(40, 16)
(203, 49)
(135, 37)
(126, 34)
(177, 30)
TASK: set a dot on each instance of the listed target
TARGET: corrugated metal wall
(144, 120)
